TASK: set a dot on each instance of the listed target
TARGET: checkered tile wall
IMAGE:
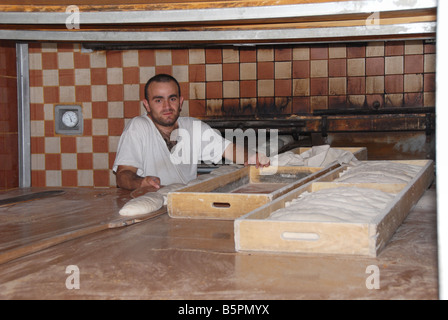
(256, 81)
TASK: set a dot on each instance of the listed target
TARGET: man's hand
(150, 181)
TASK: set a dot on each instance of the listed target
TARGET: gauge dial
(70, 119)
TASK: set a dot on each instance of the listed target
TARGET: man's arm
(127, 178)
(240, 155)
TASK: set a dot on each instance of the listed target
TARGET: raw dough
(150, 202)
(379, 172)
(343, 204)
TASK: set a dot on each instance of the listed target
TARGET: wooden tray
(254, 232)
(234, 194)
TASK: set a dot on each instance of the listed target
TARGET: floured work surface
(234, 194)
(27, 227)
(351, 210)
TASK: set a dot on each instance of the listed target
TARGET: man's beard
(165, 122)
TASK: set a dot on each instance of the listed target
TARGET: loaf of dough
(342, 204)
(147, 203)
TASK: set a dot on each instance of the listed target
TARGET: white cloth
(318, 156)
(141, 145)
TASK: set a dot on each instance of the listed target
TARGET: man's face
(164, 103)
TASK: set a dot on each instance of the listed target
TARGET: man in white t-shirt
(161, 148)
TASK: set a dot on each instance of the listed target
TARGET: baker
(162, 148)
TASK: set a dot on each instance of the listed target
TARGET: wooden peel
(27, 249)
(30, 197)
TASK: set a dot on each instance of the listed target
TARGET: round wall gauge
(70, 119)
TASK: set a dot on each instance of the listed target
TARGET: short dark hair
(162, 77)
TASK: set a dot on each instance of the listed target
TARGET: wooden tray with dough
(234, 194)
(255, 232)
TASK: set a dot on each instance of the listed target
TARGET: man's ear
(146, 105)
(181, 101)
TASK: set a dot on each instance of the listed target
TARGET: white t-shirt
(141, 145)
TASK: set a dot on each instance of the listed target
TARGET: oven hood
(243, 22)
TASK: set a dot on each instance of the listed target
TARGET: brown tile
(357, 101)
(197, 108)
(301, 105)
(49, 60)
(429, 48)
(414, 99)
(213, 55)
(429, 82)
(69, 178)
(36, 111)
(99, 109)
(146, 58)
(283, 54)
(184, 90)
(115, 92)
(248, 89)
(51, 94)
(53, 161)
(375, 66)
(100, 143)
(337, 67)
(248, 55)
(85, 161)
(83, 93)
(413, 63)
(230, 71)
(179, 56)
(37, 145)
(87, 128)
(66, 77)
(282, 88)
(319, 52)
(38, 178)
(356, 85)
(301, 87)
(115, 126)
(214, 90)
(394, 48)
(98, 76)
(393, 84)
(36, 78)
(319, 86)
(337, 102)
(197, 73)
(68, 144)
(265, 70)
(131, 109)
(214, 107)
(301, 69)
(114, 59)
(49, 128)
(81, 60)
(131, 75)
(356, 51)
(164, 69)
(101, 178)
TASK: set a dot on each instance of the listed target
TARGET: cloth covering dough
(318, 156)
